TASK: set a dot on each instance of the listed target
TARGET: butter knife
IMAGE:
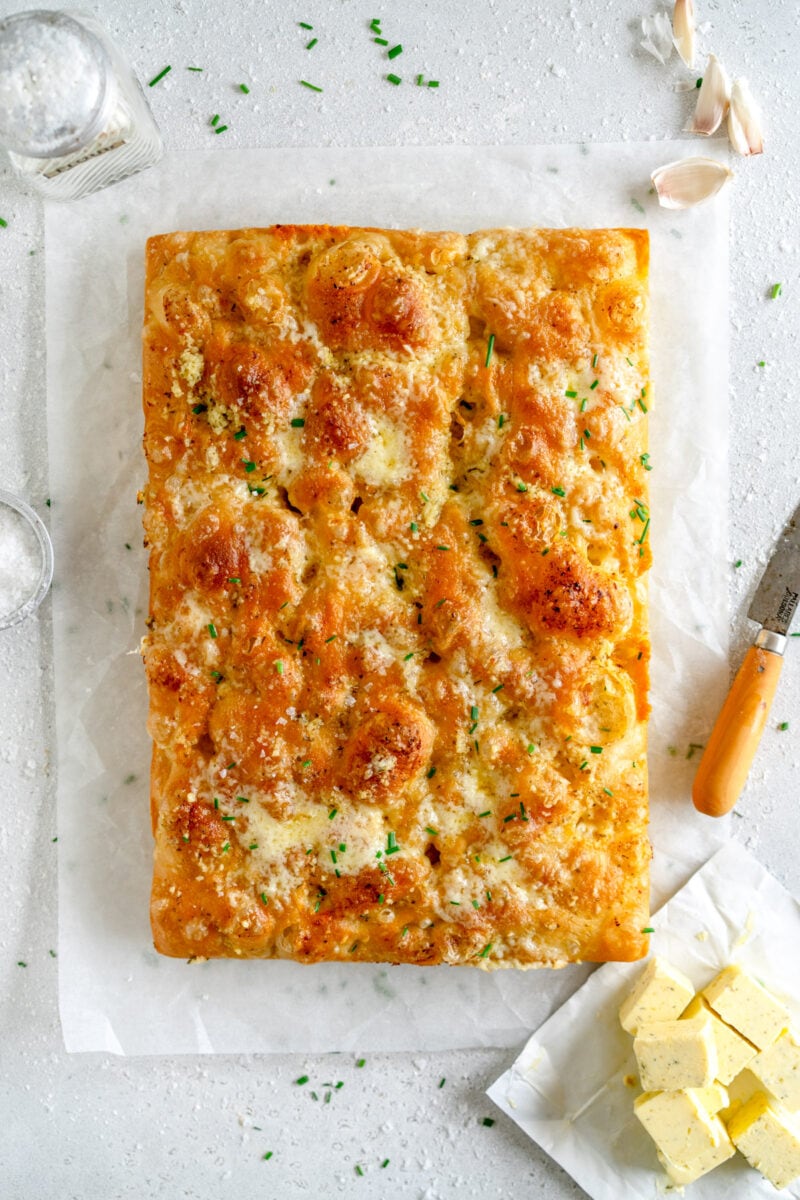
(734, 739)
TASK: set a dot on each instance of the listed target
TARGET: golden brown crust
(398, 650)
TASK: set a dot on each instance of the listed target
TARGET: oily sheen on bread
(397, 647)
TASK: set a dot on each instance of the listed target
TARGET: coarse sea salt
(20, 561)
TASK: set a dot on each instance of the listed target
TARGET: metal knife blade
(777, 595)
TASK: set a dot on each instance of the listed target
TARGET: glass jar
(72, 115)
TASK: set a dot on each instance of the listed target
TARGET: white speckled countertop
(95, 1126)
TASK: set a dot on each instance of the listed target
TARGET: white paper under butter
(731, 911)
(116, 993)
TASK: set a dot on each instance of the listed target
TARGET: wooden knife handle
(734, 739)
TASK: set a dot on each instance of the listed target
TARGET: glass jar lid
(26, 560)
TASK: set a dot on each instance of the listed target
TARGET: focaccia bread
(397, 651)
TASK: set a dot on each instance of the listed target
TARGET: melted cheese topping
(397, 656)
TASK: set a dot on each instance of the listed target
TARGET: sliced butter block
(742, 1002)
(778, 1068)
(768, 1138)
(660, 994)
(734, 1052)
(683, 1173)
(676, 1054)
(690, 1139)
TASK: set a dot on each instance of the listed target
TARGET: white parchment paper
(116, 994)
(732, 910)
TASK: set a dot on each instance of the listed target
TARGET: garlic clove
(744, 120)
(712, 99)
(657, 32)
(683, 30)
(689, 181)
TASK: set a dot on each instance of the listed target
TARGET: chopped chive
(499, 688)
(572, 395)
(558, 491)
(361, 1062)
(433, 83)
(332, 813)
(216, 802)
(214, 119)
(488, 813)
(381, 897)
(442, 547)
(194, 68)
(784, 725)
(240, 434)
(419, 80)
(737, 564)
(592, 386)
(199, 408)
(608, 791)
(442, 1081)
(760, 363)
(583, 765)
(253, 846)
(212, 629)
(297, 422)
(473, 713)
(244, 88)
(408, 656)
(431, 773)
(596, 749)
(226, 848)
(379, 41)
(391, 843)
(644, 459)
(506, 859)
(476, 903)
(432, 832)
(395, 51)
(332, 638)
(488, 1122)
(248, 465)
(583, 405)
(489, 349)
(501, 420)
(648, 929)
(279, 666)
(531, 747)
(587, 434)
(594, 362)
(385, 1162)
(484, 952)
(333, 857)
(395, 79)
(641, 539)
(229, 818)
(305, 765)
(414, 527)
(359, 1170)
(220, 129)
(423, 498)
(310, 45)
(303, 1079)
(522, 487)
(305, 25)
(628, 361)
(457, 903)
(777, 288)
(234, 579)
(159, 76)
(311, 86)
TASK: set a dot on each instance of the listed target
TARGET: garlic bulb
(689, 181)
(744, 120)
(683, 30)
(712, 99)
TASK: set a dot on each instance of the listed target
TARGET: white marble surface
(510, 71)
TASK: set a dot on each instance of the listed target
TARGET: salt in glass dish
(41, 558)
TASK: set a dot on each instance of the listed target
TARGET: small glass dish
(40, 549)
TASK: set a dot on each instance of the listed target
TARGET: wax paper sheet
(731, 911)
(116, 993)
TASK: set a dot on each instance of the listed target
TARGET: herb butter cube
(660, 994)
(690, 1139)
(778, 1068)
(682, 1173)
(768, 1138)
(676, 1054)
(734, 1052)
(742, 1002)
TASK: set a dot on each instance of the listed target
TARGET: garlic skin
(683, 30)
(744, 120)
(689, 181)
(712, 100)
(657, 32)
